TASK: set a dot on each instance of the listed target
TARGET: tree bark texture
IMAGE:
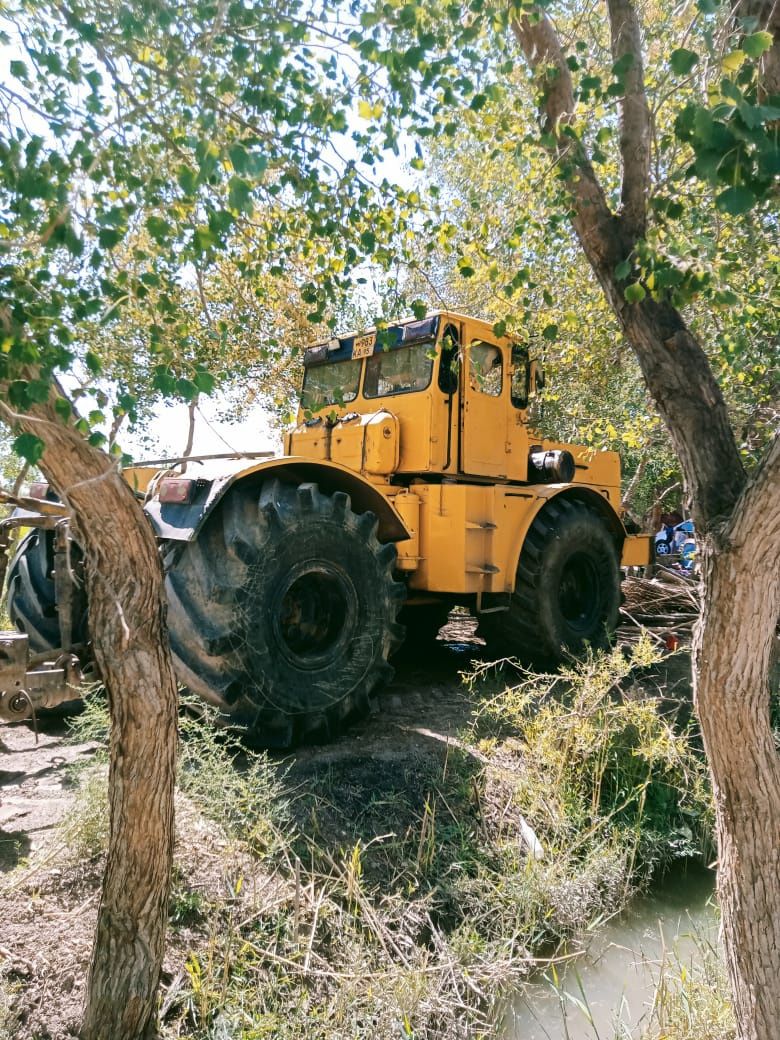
(127, 624)
(763, 15)
(732, 657)
(738, 522)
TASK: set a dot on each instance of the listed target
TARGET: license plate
(364, 346)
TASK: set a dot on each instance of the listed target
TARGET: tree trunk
(127, 622)
(732, 659)
(738, 524)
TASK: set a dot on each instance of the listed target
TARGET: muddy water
(608, 992)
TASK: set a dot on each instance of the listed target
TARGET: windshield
(399, 371)
(336, 383)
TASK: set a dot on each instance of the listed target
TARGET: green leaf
(203, 239)
(29, 447)
(187, 179)
(634, 293)
(755, 44)
(93, 363)
(38, 390)
(239, 195)
(239, 158)
(623, 270)
(204, 381)
(158, 228)
(736, 200)
(419, 308)
(499, 329)
(682, 61)
(186, 389)
(550, 332)
(622, 65)
(63, 408)
(108, 237)
(733, 60)
(18, 69)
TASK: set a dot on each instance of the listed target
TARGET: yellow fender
(181, 522)
(543, 494)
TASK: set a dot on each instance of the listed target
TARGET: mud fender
(181, 522)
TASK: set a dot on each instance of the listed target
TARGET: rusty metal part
(23, 691)
(6, 541)
(35, 505)
(69, 593)
(5, 544)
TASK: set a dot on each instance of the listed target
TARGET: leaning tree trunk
(738, 520)
(127, 624)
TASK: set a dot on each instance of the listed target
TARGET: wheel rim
(313, 614)
(579, 593)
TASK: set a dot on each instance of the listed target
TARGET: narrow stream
(608, 992)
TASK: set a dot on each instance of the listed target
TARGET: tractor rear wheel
(32, 604)
(282, 611)
(567, 588)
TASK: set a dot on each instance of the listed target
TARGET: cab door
(484, 410)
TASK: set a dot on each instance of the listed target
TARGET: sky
(213, 435)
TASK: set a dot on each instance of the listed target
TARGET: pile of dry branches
(666, 603)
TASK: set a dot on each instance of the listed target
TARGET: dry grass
(405, 895)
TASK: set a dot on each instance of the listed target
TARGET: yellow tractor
(412, 482)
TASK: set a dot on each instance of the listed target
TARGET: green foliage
(238, 788)
(139, 153)
(84, 830)
(604, 756)
(691, 998)
(356, 891)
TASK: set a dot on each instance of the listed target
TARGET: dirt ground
(49, 904)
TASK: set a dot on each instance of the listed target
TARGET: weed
(691, 998)
(9, 1017)
(84, 830)
(403, 895)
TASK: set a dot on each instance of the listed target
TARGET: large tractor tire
(31, 594)
(282, 612)
(567, 588)
(32, 604)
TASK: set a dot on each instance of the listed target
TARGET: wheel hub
(578, 593)
(313, 613)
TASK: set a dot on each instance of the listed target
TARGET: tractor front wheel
(567, 588)
(282, 612)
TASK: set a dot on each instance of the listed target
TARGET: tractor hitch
(31, 682)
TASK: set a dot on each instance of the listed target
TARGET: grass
(690, 1000)
(404, 894)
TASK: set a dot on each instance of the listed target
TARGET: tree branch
(593, 220)
(635, 127)
(767, 17)
(673, 363)
(756, 517)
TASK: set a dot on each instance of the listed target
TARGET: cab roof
(398, 334)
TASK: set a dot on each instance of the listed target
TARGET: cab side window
(520, 373)
(448, 364)
(486, 369)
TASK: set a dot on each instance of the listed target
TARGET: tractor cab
(441, 395)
